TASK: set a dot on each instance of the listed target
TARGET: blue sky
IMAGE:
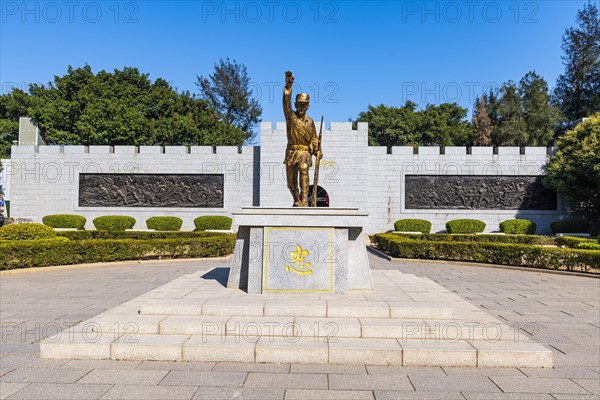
(346, 55)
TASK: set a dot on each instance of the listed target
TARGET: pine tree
(482, 125)
(577, 91)
(510, 128)
(540, 116)
(228, 91)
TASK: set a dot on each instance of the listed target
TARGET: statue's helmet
(303, 98)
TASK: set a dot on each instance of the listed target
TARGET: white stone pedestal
(300, 250)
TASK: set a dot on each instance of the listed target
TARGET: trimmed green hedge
(164, 223)
(413, 225)
(491, 238)
(570, 227)
(220, 222)
(114, 223)
(518, 227)
(26, 232)
(589, 246)
(495, 253)
(139, 235)
(570, 241)
(64, 221)
(44, 253)
(465, 226)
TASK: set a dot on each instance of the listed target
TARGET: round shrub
(114, 223)
(570, 226)
(465, 226)
(413, 225)
(518, 227)
(64, 221)
(26, 232)
(164, 223)
(220, 222)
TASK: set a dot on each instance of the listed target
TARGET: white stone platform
(405, 320)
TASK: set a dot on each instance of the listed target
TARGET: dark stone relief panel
(151, 190)
(468, 192)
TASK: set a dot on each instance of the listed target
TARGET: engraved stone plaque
(151, 190)
(472, 192)
(299, 259)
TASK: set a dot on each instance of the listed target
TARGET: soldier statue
(303, 142)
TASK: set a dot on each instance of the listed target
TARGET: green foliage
(514, 239)
(64, 221)
(413, 225)
(569, 241)
(164, 223)
(570, 226)
(123, 107)
(495, 253)
(465, 226)
(114, 223)
(137, 235)
(442, 125)
(518, 227)
(577, 90)
(574, 170)
(522, 115)
(481, 123)
(44, 253)
(26, 232)
(589, 246)
(219, 222)
(228, 91)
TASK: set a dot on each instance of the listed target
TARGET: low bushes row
(511, 226)
(121, 223)
(41, 253)
(578, 243)
(495, 253)
(491, 238)
(138, 235)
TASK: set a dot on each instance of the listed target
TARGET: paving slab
(286, 381)
(368, 382)
(438, 354)
(515, 384)
(303, 394)
(202, 378)
(124, 377)
(252, 367)
(227, 393)
(177, 366)
(457, 383)
(8, 388)
(421, 395)
(149, 392)
(327, 369)
(59, 391)
(44, 375)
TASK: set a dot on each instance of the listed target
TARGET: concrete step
(309, 350)
(296, 308)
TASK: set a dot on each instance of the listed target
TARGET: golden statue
(303, 142)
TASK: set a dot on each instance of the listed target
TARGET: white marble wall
(45, 178)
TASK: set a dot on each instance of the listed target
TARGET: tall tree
(481, 123)
(228, 90)
(122, 107)
(540, 116)
(442, 125)
(574, 171)
(577, 91)
(510, 129)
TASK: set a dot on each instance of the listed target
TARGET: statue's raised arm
(287, 94)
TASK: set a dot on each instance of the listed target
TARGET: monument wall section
(46, 179)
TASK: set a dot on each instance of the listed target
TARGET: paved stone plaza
(560, 311)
